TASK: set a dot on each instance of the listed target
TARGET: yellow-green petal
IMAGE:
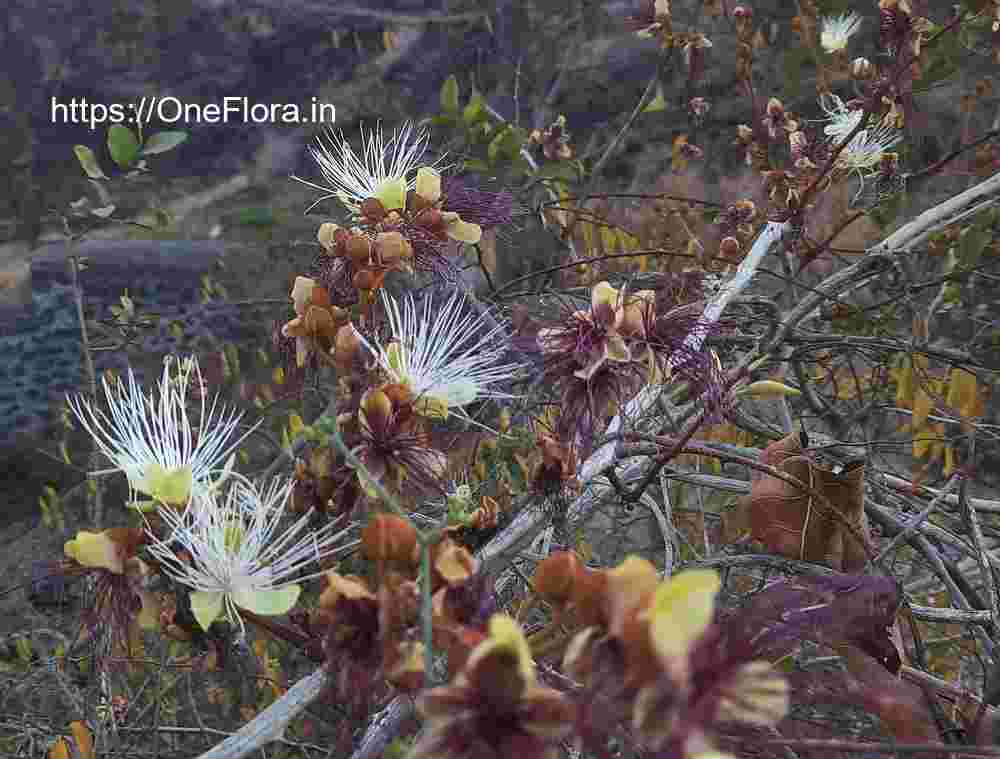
(506, 633)
(392, 194)
(169, 486)
(463, 231)
(428, 184)
(95, 550)
(431, 408)
(268, 603)
(682, 609)
(206, 606)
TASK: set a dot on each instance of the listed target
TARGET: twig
(914, 524)
(97, 515)
(271, 723)
(972, 519)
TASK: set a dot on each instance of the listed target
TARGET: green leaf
(161, 142)
(268, 603)
(449, 95)
(444, 120)
(974, 240)
(477, 165)
(206, 607)
(658, 103)
(123, 145)
(88, 162)
(496, 145)
(474, 111)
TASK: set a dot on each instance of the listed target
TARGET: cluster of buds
(465, 511)
(554, 140)
(405, 213)
(369, 256)
(317, 321)
(647, 653)
(371, 632)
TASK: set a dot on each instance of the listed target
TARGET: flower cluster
(597, 359)
(405, 213)
(649, 653)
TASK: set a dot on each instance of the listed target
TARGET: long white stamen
(353, 179)
(235, 545)
(445, 353)
(141, 432)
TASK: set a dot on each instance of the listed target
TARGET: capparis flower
(447, 355)
(240, 558)
(864, 153)
(384, 172)
(837, 30)
(152, 439)
(495, 707)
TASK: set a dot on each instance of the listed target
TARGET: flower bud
(346, 345)
(862, 69)
(366, 279)
(555, 576)
(373, 210)
(359, 249)
(729, 248)
(327, 236)
(392, 247)
(388, 537)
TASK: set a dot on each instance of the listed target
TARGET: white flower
(837, 30)
(447, 355)
(383, 173)
(239, 558)
(151, 439)
(864, 152)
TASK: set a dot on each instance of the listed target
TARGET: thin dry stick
(914, 524)
(969, 512)
(97, 514)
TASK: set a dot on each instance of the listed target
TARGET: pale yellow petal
(392, 194)
(95, 550)
(206, 607)
(428, 184)
(267, 603)
(682, 609)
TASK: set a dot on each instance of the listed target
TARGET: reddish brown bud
(555, 576)
(359, 249)
(416, 203)
(366, 279)
(729, 248)
(862, 69)
(373, 210)
(388, 537)
(392, 247)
